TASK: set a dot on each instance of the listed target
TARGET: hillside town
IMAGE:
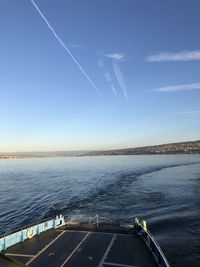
(191, 147)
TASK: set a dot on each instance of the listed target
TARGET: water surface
(163, 189)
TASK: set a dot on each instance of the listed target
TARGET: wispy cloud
(117, 56)
(179, 56)
(108, 76)
(120, 78)
(109, 80)
(188, 112)
(116, 59)
(113, 89)
(100, 62)
(175, 88)
(65, 47)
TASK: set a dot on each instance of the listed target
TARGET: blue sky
(98, 74)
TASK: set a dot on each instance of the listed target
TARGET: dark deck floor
(70, 248)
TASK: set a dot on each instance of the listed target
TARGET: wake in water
(164, 190)
(115, 197)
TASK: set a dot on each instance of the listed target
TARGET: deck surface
(70, 248)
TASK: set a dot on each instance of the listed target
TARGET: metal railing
(24, 227)
(95, 220)
(98, 219)
(153, 246)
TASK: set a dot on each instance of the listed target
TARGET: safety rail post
(145, 225)
(4, 242)
(97, 220)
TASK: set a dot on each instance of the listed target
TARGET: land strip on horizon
(189, 147)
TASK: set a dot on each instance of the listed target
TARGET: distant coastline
(189, 147)
(13, 156)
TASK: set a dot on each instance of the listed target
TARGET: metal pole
(97, 220)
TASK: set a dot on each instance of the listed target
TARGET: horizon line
(91, 150)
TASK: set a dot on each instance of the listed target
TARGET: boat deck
(68, 248)
(82, 248)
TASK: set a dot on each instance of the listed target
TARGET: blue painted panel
(22, 235)
(12, 239)
(45, 226)
(1, 244)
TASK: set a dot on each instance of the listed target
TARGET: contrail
(65, 47)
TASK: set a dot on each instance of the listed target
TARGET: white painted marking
(76, 248)
(95, 232)
(107, 251)
(41, 251)
(120, 265)
(77, 231)
(19, 255)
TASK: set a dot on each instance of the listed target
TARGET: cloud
(120, 78)
(100, 62)
(109, 80)
(179, 56)
(188, 112)
(65, 47)
(117, 56)
(108, 76)
(176, 88)
(116, 59)
(113, 89)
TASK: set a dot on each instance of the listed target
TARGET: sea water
(162, 189)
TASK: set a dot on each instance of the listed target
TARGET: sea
(162, 189)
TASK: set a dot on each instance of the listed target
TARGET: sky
(98, 74)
